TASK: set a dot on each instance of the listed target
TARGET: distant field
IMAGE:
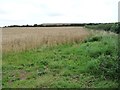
(59, 57)
(23, 38)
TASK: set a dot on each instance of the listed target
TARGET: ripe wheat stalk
(23, 38)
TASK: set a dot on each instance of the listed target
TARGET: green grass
(92, 63)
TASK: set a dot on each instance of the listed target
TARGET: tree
(35, 25)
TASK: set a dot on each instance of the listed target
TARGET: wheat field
(23, 38)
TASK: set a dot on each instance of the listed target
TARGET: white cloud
(55, 11)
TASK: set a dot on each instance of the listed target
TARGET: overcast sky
(18, 12)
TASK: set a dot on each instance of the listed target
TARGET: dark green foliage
(115, 28)
(104, 59)
(35, 25)
(92, 39)
(108, 67)
(107, 27)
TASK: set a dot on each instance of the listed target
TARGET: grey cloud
(54, 14)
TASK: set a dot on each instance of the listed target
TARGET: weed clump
(93, 39)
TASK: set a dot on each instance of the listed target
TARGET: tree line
(114, 27)
(47, 25)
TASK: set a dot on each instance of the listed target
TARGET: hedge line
(113, 27)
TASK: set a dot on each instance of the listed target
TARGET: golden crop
(23, 38)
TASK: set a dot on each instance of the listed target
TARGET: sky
(22, 12)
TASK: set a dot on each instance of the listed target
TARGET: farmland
(59, 57)
(18, 39)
